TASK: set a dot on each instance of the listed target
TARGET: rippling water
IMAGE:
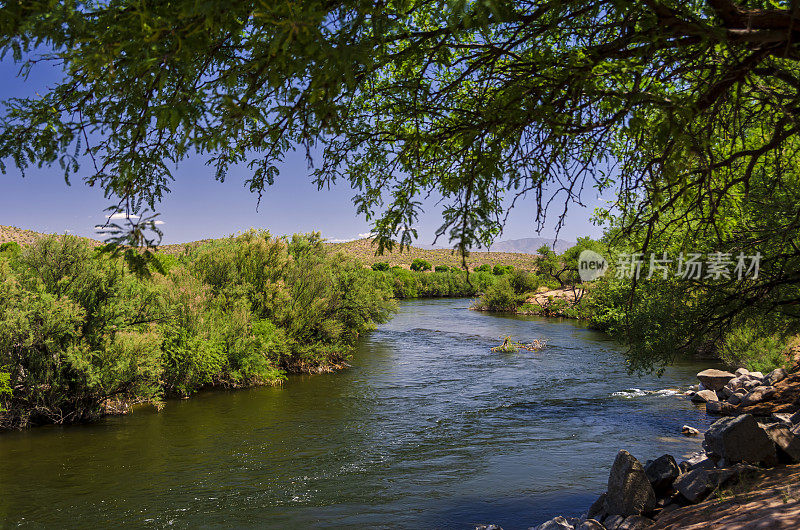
(428, 429)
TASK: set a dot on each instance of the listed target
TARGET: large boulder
(696, 485)
(778, 374)
(662, 472)
(590, 524)
(739, 439)
(714, 379)
(629, 490)
(787, 443)
(757, 395)
(704, 396)
(720, 408)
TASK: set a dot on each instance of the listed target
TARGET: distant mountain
(528, 245)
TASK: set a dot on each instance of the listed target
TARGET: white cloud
(122, 215)
(158, 222)
(341, 240)
(366, 234)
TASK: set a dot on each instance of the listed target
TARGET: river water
(428, 429)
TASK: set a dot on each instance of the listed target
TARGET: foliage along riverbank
(79, 330)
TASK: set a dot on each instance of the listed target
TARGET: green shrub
(483, 268)
(11, 247)
(500, 297)
(757, 350)
(420, 264)
(380, 266)
(442, 268)
(499, 270)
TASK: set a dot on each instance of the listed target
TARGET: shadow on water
(428, 429)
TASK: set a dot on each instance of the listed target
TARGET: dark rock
(629, 490)
(795, 419)
(704, 396)
(783, 418)
(778, 374)
(714, 379)
(613, 522)
(596, 508)
(788, 445)
(662, 472)
(635, 522)
(735, 399)
(757, 395)
(488, 527)
(590, 524)
(696, 485)
(720, 408)
(668, 508)
(557, 523)
(739, 439)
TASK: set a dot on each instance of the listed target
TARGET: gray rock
(557, 523)
(757, 395)
(698, 484)
(635, 522)
(704, 396)
(714, 379)
(778, 374)
(756, 375)
(668, 508)
(739, 439)
(591, 524)
(686, 430)
(720, 408)
(724, 393)
(488, 527)
(742, 371)
(629, 490)
(613, 522)
(697, 461)
(737, 382)
(596, 508)
(788, 445)
(752, 384)
(735, 399)
(662, 472)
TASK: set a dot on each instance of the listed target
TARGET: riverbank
(741, 479)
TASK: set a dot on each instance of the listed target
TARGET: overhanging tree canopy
(675, 104)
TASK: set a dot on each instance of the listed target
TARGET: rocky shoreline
(760, 431)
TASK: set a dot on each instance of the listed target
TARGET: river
(428, 429)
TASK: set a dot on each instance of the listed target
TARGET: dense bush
(753, 348)
(483, 268)
(380, 266)
(77, 329)
(442, 268)
(499, 270)
(508, 291)
(420, 265)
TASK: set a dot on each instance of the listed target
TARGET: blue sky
(200, 207)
